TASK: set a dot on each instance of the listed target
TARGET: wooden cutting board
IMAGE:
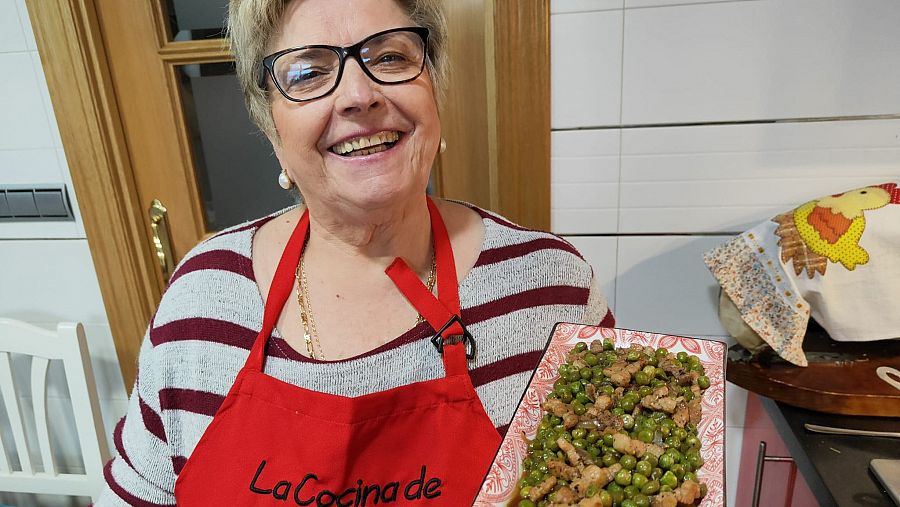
(841, 377)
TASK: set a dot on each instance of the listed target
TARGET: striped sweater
(521, 285)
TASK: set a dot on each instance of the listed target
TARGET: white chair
(69, 345)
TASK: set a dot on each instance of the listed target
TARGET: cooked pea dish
(619, 429)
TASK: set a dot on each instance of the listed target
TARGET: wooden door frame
(71, 46)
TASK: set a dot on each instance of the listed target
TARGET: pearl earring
(443, 145)
(284, 181)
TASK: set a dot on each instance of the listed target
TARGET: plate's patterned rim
(500, 482)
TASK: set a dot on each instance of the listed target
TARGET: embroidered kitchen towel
(836, 259)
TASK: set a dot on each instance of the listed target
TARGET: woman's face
(313, 133)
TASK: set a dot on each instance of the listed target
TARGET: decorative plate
(501, 481)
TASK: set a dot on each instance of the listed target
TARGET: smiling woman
(381, 326)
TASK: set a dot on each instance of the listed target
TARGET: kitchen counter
(836, 467)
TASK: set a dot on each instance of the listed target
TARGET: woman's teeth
(366, 145)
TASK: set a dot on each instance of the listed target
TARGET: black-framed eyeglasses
(310, 72)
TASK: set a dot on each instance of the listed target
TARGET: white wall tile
(584, 181)
(761, 60)
(729, 178)
(663, 286)
(49, 281)
(563, 6)
(25, 23)
(24, 122)
(641, 4)
(600, 252)
(585, 69)
(11, 36)
(24, 167)
(45, 98)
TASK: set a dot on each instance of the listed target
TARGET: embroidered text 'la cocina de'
(305, 492)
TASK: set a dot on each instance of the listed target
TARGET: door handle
(162, 240)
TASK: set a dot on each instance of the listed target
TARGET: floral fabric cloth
(836, 259)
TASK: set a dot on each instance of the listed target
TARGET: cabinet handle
(162, 240)
(761, 459)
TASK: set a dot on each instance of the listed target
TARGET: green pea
(662, 352)
(608, 390)
(628, 462)
(586, 373)
(703, 381)
(582, 398)
(651, 488)
(678, 470)
(626, 405)
(608, 344)
(593, 436)
(652, 459)
(579, 433)
(566, 396)
(628, 503)
(573, 375)
(645, 391)
(692, 442)
(645, 436)
(591, 491)
(666, 461)
(657, 383)
(555, 419)
(690, 476)
(644, 467)
(632, 356)
(594, 450)
(682, 356)
(578, 408)
(579, 443)
(638, 480)
(676, 455)
(628, 421)
(641, 378)
(591, 359)
(618, 411)
(696, 461)
(580, 347)
(703, 489)
(641, 500)
(653, 360)
(657, 474)
(608, 439)
(526, 502)
(606, 499)
(630, 491)
(672, 442)
(551, 445)
(665, 489)
(576, 387)
(609, 460)
(669, 479)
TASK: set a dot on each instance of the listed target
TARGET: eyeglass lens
(310, 73)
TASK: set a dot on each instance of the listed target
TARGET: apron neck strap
(443, 312)
(279, 291)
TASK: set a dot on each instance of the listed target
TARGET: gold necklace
(310, 335)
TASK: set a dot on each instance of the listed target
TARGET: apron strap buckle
(466, 338)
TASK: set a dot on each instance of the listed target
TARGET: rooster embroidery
(829, 229)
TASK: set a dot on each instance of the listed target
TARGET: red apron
(273, 443)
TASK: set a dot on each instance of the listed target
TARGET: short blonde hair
(253, 23)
